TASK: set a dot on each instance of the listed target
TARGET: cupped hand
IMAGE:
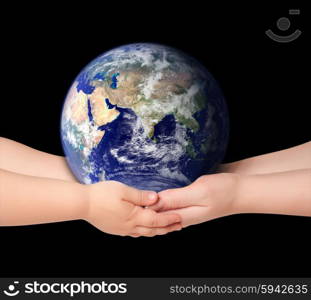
(207, 198)
(116, 208)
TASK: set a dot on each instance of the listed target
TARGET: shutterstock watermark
(69, 288)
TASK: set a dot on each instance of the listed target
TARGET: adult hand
(209, 197)
(116, 208)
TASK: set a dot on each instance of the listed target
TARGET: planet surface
(147, 115)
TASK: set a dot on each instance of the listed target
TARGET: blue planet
(147, 115)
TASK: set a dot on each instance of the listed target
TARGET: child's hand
(209, 197)
(222, 194)
(116, 208)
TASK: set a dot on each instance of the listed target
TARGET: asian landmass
(147, 115)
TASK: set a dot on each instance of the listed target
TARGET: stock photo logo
(12, 291)
(283, 24)
(67, 288)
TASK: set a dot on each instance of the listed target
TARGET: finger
(134, 235)
(140, 197)
(149, 218)
(150, 232)
(192, 215)
(175, 198)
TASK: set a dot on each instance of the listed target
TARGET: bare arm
(286, 193)
(110, 206)
(218, 195)
(278, 183)
(18, 158)
(294, 158)
(32, 200)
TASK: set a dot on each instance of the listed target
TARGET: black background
(266, 85)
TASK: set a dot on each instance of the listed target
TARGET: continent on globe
(147, 115)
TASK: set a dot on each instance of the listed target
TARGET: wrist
(244, 194)
(237, 205)
(83, 195)
(222, 189)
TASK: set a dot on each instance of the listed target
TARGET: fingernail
(152, 196)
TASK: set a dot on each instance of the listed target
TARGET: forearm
(18, 158)
(294, 158)
(278, 193)
(31, 200)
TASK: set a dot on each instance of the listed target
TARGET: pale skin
(36, 187)
(278, 183)
(275, 183)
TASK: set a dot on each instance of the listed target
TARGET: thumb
(175, 198)
(140, 197)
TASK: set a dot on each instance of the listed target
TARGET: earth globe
(147, 115)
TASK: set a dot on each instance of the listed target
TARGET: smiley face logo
(11, 290)
(283, 24)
